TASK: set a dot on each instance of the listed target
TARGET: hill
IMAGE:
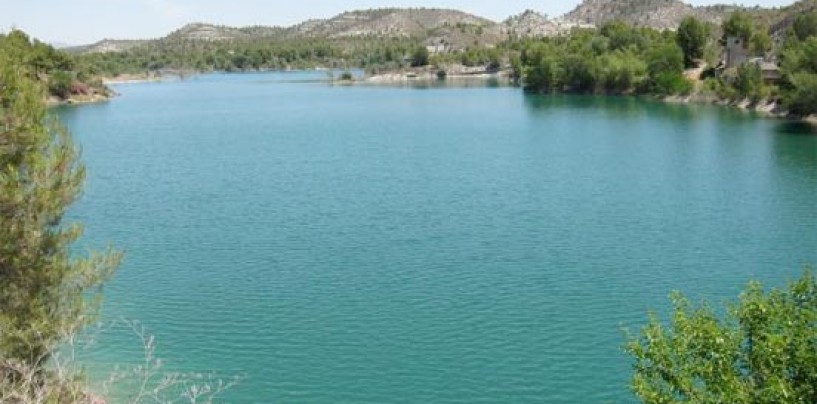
(460, 29)
(659, 14)
(390, 22)
(106, 45)
(431, 25)
(532, 24)
(389, 37)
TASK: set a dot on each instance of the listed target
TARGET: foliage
(665, 65)
(800, 57)
(347, 76)
(805, 26)
(760, 43)
(616, 59)
(802, 98)
(179, 55)
(46, 291)
(43, 63)
(692, 37)
(763, 351)
(739, 24)
(749, 82)
(59, 84)
(420, 56)
(799, 66)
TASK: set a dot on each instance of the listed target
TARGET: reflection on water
(450, 82)
(629, 107)
(795, 145)
(796, 128)
(612, 106)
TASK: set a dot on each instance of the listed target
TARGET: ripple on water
(446, 245)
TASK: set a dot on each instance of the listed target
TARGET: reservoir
(431, 243)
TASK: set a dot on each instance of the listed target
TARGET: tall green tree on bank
(46, 291)
(420, 56)
(740, 24)
(618, 58)
(799, 66)
(805, 26)
(763, 351)
(692, 36)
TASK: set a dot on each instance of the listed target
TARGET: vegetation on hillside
(764, 350)
(48, 292)
(622, 59)
(62, 74)
(615, 59)
(241, 55)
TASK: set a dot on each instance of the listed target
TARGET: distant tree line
(60, 72)
(614, 59)
(619, 58)
(246, 55)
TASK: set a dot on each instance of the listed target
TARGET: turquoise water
(396, 244)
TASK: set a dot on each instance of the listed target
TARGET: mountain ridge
(459, 27)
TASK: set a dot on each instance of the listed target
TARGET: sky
(78, 22)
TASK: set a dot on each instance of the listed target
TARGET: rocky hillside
(106, 45)
(459, 30)
(389, 23)
(207, 32)
(660, 14)
(533, 24)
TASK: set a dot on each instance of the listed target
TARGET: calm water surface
(395, 244)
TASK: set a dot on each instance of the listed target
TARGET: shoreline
(132, 78)
(52, 102)
(766, 108)
(426, 73)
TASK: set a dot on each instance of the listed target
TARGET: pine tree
(46, 291)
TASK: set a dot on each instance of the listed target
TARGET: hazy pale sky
(85, 21)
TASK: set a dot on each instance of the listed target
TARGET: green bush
(419, 57)
(762, 350)
(802, 98)
(671, 84)
(749, 82)
(692, 37)
(59, 84)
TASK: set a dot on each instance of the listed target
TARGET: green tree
(620, 72)
(46, 291)
(801, 99)
(801, 57)
(622, 35)
(749, 82)
(667, 58)
(739, 24)
(419, 57)
(761, 42)
(665, 66)
(692, 36)
(764, 350)
(805, 25)
(59, 84)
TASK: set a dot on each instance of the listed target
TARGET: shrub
(761, 351)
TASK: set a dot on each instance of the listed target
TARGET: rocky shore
(427, 73)
(766, 107)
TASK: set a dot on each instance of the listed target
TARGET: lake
(463, 243)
